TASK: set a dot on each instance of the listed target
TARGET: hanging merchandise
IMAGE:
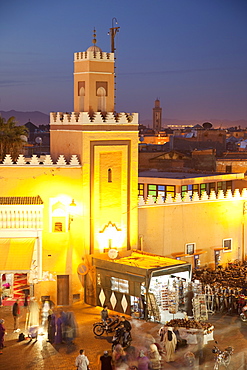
(200, 307)
(164, 297)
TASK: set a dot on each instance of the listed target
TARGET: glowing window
(119, 285)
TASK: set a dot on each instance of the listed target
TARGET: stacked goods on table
(191, 324)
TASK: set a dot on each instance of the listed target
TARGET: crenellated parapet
(97, 118)
(43, 161)
(92, 55)
(195, 198)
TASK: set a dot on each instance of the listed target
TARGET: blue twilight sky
(191, 54)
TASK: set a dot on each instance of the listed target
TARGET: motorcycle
(122, 337)
(108, 326)
(222, 357)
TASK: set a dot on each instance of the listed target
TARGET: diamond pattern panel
(102, 297)
(124, 303)
(113, 300)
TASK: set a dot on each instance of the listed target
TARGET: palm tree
(12, 138)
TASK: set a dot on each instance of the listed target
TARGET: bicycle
(222, 357)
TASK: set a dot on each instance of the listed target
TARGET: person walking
(82, 361)
(16, 314)
(51, 330)
(2, 333)
(105, 361)
(143, 361)
(170, 342)
(154, 357)
(33, 313)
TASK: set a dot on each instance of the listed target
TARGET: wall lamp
(71, 212)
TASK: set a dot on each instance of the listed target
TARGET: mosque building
(67, 219)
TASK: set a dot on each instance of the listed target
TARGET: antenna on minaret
(112, 33)
(94, 37)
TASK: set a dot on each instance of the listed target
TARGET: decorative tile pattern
(102, 297)
(124, 303)
(113, 300)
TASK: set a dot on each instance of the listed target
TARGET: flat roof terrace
(180, 178)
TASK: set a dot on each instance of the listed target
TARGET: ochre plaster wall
(166, 229)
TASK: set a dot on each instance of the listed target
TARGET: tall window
(101, 94)
(223, 185)
(203, 187)
(81, 99)
(141, 189)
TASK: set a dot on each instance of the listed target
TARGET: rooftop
(188, 175)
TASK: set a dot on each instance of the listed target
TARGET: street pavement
(229, 330)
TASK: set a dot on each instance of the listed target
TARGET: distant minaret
(157, 116)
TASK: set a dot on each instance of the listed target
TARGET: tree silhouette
(12, 138)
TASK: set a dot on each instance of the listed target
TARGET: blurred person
(59, 332)
(16, 314)
(71, 327)
(1, 297)
(154, 357)
(143, 361)
(33, 313)
(2, 333)
(170, 342)
(44, 312)
(118, 357)
(131, 357)
(51, 326)
(33, 333)
(189, 301)
(105, 361)
(82, 361)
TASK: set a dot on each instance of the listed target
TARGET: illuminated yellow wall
(62, 252)
(166, 229)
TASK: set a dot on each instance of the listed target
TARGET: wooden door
(62, 290)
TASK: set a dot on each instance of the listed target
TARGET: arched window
(101, 94)
(81, 99)
(109, 175)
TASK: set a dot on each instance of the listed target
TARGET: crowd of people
(149, 356)
(60, 326)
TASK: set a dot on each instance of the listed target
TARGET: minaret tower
(106, 144)
(93, 80)
(157, 116)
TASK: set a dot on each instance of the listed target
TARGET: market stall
(193, 331)
(137, 283)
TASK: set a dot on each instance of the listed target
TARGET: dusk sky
(191, 54)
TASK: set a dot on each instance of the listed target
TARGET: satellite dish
(23, 138)
(38, 140)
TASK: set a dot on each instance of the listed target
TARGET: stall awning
(16, 254)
